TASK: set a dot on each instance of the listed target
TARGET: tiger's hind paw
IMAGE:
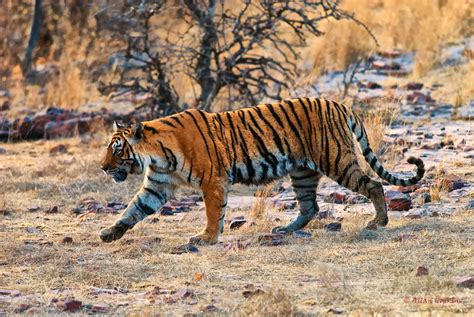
(281, 230)
(381, 222)
(112, 233)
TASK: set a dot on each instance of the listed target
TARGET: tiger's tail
(358, 130)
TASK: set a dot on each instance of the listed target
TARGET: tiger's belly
(262, 171)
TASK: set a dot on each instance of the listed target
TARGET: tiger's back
(305, 138)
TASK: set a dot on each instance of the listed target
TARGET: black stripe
(329, 117)
(149, 128)
(276, 136)
(367, 151)
(321, 132)
(252, 118)
(298, 178)
(297, 186)
(165, 121)
(151, 179)
(344, 172)
(190, 172)
(269, 157)
(274, 114)
(203, 138)
(177, 120)
(233, 137)
(212, 138)
(372, 162)
(158, 195)
(292, 126)
(310, 123)
(143, 208)
(247, 159)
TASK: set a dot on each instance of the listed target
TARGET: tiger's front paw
(203, 239)
(112, 233)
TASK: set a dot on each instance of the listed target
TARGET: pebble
(272, 239)
(421, 271)
(334, 226)
(184, 248)
(465, 282)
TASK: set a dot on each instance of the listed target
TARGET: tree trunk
(34, 35)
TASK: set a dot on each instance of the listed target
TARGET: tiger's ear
(137, 130)
(117, 126)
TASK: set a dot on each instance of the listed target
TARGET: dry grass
(357, 271)
(419, 26)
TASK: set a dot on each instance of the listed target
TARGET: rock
(182, 294)
(336, 311)
(166, 211)
(405, 236)
(58, 149)
(465, 282)
(252, 293)
(184, 248)
(419, 98)
(300, 234)
(398, 201)
(100, 308)
(428, 135)
(52, 210)
(7, 292)
(470, 204)
(2, 151)
(390, 53)
(237, 222)
(66, 240)
(272, 239)
(407, 189)
(336, 198)
(69, 305)
(238, 244)
(333, 226)
(381, 65)
(421, 271)
(415, 214)
(34, 208)
(372, 85)
(452, 182)
(357, 199)
(115, 207)
(413, 86)
(209, 309)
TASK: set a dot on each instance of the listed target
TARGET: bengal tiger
(305, 138)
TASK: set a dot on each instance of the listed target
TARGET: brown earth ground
(354, 271)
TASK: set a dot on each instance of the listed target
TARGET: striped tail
(358, 129)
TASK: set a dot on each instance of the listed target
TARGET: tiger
(304, 138)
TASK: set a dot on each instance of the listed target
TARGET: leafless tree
(240, 53)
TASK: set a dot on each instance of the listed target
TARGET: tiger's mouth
(120, 176)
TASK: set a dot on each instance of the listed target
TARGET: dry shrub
(420, 26)
(273, 303)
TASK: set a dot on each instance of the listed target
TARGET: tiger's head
(119, 159)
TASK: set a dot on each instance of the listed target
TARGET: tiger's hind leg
(304, 182)
(355, 179)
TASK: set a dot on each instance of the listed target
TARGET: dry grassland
(357, 271)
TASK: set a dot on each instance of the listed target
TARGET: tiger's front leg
(215, 200)
(146, 202)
